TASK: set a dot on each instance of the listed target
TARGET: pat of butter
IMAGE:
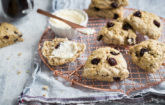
(66, 50)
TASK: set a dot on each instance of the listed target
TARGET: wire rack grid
(137, 80)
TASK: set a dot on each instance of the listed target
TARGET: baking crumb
(19, 54)
(27, 71)
(44, 95)
(45, 87)
(18, 72)
(8, 58)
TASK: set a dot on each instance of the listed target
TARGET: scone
(109, 4)
(146, 24)
(105, 13)
(60, 51)
(9, 34)
(117, 33)
(148, 55)
(106, 64)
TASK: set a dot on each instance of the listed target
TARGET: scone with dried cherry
(60, 51)
(117, 33)
(9, 34)
(148, 55)
(106, 64)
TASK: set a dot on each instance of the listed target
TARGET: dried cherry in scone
(126, 26)
(116, 78)
(99, 37)
(110, 24)
(15, 40)
(156, 23)
(6, 37)
(137, 14)
(97, 9)
(112, 61)
(95, 61)
(15, 32)
(57, 46)
(20, 35)
(114, 5)
(142, 51)
(116, 16)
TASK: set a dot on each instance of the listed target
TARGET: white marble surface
(32, 27)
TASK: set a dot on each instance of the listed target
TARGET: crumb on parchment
(18, 72)
(19, 54)
(27, 71)
(44, 95)
(45, 87)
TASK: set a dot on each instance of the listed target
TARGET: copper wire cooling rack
(137, 80)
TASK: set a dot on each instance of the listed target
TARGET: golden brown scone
(109, 4)
(9, 34)
(146, 24)
(105, 13)
(117, 33)
(106, 64)
(60, 51)
(148, 55)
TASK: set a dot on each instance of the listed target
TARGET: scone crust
(49, 46)
(107, 4)
(117, 35)
(152, 58)
(9, 34)
(103, 71)
(145, 24)
(105, 13)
